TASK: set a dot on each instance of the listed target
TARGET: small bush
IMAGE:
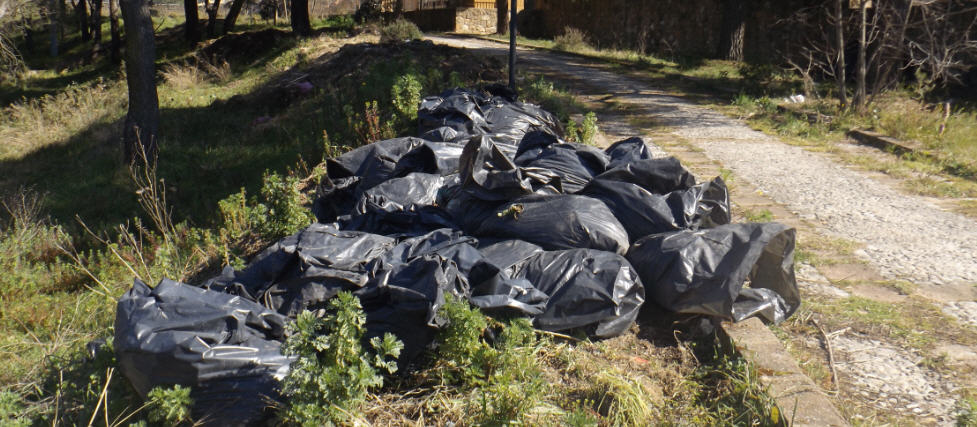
(406, 96)
(571, 40)
(399, 31)
(333, 371)
(505, 377)
(169, 406)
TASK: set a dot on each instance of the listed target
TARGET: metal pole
(512, 46)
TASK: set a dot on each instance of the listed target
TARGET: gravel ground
(903, 236)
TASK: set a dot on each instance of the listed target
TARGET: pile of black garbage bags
(489, 204)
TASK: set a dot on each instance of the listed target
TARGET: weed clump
(572, 40)
(169, 406)
(333, 372)
(504, 375)
(400, 30)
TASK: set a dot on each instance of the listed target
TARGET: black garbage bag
(557, 222)
(489, 174)
(373, 163)
(704, 271)
(594, 291)
(658, 176)
(411, 221)
(575, 164)
(628, 151)
(226, 348)
(476, 113)
(303, 271)
(642, 212)
(507, 253)
(335, 197)
(431, 157)
(395, 194)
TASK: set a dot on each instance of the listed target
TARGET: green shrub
(405, 95)
(571, 40)
(333, 371)
(12, 409)
(285, 212)
(505, 378)
(169, 406)
(400, 30)
(588, 130)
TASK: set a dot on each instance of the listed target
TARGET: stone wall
(466, 20)
(470, 20)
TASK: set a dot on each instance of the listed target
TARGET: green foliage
(405, 94)
(967, 412)
(505, 377)
(12, 410)
(285, 213)
(732, 391)
(277, 212)
(169, 406)
(400, 30)
(588, 130)
(333, 371)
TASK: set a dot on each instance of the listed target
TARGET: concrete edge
(800, 400)
(883, 142)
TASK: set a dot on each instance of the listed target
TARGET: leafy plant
(505, 376)
(400, 30)
(285, 213)
(169, 406)
(405, 95)
(333, 371)
(588, 130)
(369, 126)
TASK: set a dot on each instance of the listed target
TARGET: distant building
(458, 16)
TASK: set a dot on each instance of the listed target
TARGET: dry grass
(30, 125)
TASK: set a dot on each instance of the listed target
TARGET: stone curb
(800, 400)
(887, 143)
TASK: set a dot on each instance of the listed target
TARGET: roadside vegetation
(246, 119)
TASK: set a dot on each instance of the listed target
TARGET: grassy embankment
(239, 144)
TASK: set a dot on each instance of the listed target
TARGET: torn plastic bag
(476, 113)
(642, 212)
(373, 163)
(488, 174)
(412, 220)
(335, 197)
(397, 193)
(305, 270)
(704, 271)
(226, 348)
(557, 222)
(594, 291)
(575, 164)
(431, 157)
(658, 176)
(628, 151)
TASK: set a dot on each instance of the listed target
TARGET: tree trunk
(733, 34)
(862, 71)
(81, 14)
(96, 21)
(191, 26)
(142, 120)
(212, 10)
(115, 45)
(232, 15)
(399, 9)
(300, 18)
(840, 63)
(55, 26)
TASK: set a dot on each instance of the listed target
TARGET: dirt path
(898, 236)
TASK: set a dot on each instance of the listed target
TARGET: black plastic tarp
(479, 113)
(703, 272)
(227, 348)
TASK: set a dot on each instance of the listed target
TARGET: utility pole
(512, 46)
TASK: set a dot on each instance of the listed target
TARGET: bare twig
(831, 356)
